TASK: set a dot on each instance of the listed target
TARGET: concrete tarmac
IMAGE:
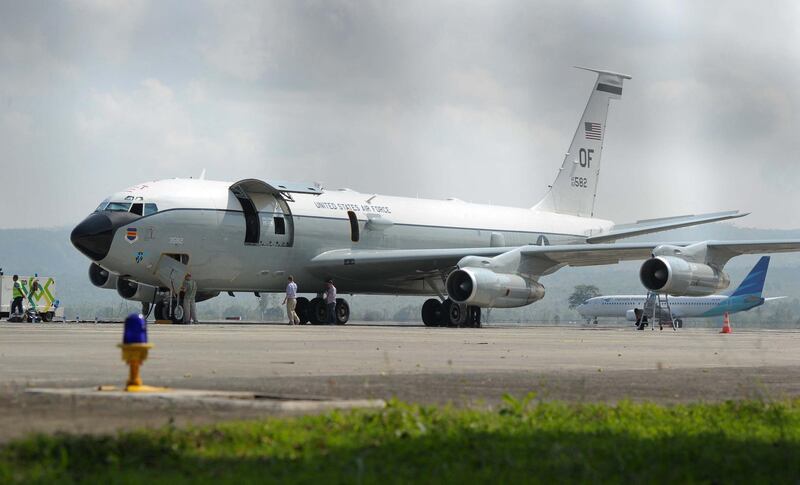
(429, 365)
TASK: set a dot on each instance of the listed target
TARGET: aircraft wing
(648, 226)
(393, 263)
(410, 264)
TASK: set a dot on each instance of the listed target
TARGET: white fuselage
(204, 222)
(618, 306)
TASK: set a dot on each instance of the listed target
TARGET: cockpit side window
(137, 208)
(150, 209)
(118, 206)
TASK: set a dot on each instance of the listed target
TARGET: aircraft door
(276, 227)
(267, 215)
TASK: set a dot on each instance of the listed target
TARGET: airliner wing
(534, 260)
(648, 226)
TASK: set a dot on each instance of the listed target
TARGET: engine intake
(131, 290)
(102, 278)
(485, 288)
(678, 277)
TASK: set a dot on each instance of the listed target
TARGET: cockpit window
(150, 209)
(118, 206)
(137, 208)
(102, 206)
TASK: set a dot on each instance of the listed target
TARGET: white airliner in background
(747, 295)
(247, 236)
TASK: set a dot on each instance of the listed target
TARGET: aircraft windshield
(137, 208)
(118, 206)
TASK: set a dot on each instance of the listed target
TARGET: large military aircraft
(248, 235)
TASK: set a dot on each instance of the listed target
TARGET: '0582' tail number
(580, 182)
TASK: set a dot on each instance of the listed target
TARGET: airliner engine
(131, 290)
(485, 288)
(102, 278)
(678, 277)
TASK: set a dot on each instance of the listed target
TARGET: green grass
(751, 442)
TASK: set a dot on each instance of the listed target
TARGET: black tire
(679, 322)
(177, 314)
(47, 316)
(444, 318)
(474, 316)
(318, 313)
(457, 314)
(342, 311)
(432, 312)
(302, 309)
(160, 311)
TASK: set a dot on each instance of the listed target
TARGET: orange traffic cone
(726, 324)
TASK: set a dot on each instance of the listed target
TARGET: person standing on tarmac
(189, 293)
(330, 301)
(291, 301)
(18, 295)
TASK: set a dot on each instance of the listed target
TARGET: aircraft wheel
(473, 316)
(457, 314)
(679, 323)
(177, 314)
(342, 311)
(318, 313)
(444, 317)
(432, 312)
(302, 309)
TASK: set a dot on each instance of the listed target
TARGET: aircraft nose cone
(93, 236)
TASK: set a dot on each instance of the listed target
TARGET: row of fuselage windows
(692, 303)
(139, 208)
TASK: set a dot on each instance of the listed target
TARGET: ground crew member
(330, 301)
(189, 306)
(18, 295)
(291, 301)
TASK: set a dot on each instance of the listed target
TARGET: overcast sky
(475, 100)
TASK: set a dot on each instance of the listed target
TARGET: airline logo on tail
(753, 283)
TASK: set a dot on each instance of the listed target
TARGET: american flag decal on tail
(592, 130)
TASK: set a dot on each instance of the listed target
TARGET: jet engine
(678, 277)
(102, 278)
(484, 288)
(131, 290)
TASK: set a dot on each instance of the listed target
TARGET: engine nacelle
(485, 288)
(102, 278)
(131, 290)
(677, 277)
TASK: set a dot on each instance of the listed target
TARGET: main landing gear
(315, 311)
(448, 313)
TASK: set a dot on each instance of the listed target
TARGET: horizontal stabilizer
(648, 226)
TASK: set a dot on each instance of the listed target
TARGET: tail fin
(575, 187)
(753, 283)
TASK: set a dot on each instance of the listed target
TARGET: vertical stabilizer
(575, 187)
(753, 283)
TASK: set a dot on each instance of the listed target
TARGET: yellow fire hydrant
(134, 352)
